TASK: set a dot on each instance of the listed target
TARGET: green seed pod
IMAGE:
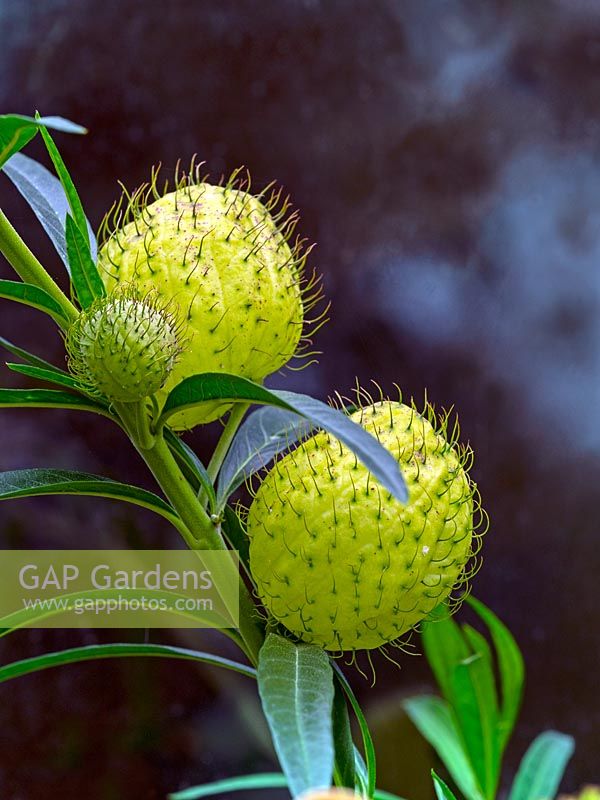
(124, 346)
(340, 562)
(223, 257)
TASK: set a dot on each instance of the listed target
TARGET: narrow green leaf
(344, 766)
(259, 782)
(368, 745)
(194, 469)
(479, 646)
(17, 130)
(541, 770)
(362, 774)
(29, 616)
(67, 183)
(61, 124)
(231, 388)
(266, 432)
(86, 279)
(25, 355)
(237, 537)
(481, 674)
(510, 665)
(442, 790)
(445, 647)
(42, 370)
(462, 664)
(433, 719)
(295, 683)
(56, 376)
(31, 295)
(120, 650)
(34, 482)
(47, 199)
(475, 722)
(49, 398)
(265, 780)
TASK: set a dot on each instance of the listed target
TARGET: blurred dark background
(445, 155)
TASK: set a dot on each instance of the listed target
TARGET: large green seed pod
(341, 563)
(223, 259)
(124, 346)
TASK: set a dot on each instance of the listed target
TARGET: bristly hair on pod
(292, 477)
(132, 207)
(124, 346)
(446, 424)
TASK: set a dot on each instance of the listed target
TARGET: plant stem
(205, 535)
(29, 269)
(183, 498)
(142, 421)
(236, 415)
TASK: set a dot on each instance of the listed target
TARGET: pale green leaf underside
(212, 386)
(541, 770)
(47, 199)
(266, 433)
(17, 130)
(296, 688)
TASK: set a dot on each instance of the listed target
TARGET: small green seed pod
(124, 346)
(223, 257)
(340, 562)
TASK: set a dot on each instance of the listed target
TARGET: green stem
(233, 423)
(205, 535)
(183, 498)
(142, 421)
(29, 269)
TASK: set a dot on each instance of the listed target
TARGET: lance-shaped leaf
(33, 296)
(231, 388)
(442, 790)
(242, 783)
(477, 718)
(86, 279)
(266, 433)
(39, 369)
(296, 689)
(345, 762)
(463, 664)
(250, 783)
(433, 718)
(118, 650)
(193, 468)
(368, 746)
(237, 538)
(541, 770)
(46, 197)
(49, 398)
(31, 615)
(25, 355)
(67, 182)
(35, 482)
(57, 376)
(17, 130)
(511, 668)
